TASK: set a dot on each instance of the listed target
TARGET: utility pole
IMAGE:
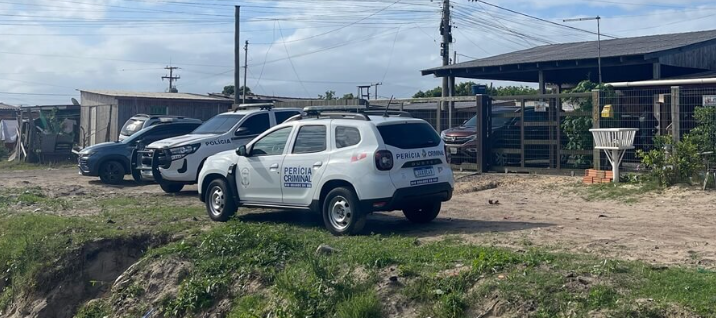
(246, 68)
(237, 58)
(171, 78)
(599, 41)
(446, 32)
(376, 88)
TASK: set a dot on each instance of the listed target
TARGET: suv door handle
(274, 167)
(317, 164)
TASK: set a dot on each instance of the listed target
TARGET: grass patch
(295, 282)
(16, 166)
(623, 192)
(94, 309)
(31, 196)
(249, 306)
(32, 243)
(365, 305)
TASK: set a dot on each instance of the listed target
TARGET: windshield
(472, 122)
(132, 126)
(135, 136)
(218, 124)
(409, 136)
(497, 122)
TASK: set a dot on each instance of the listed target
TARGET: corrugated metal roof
(127, 94)
(7, 107)
(588, 50)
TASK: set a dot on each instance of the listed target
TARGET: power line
(540, 19)
(288, 55)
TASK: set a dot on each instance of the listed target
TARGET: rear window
(132, 126)
(283, 116)
(218, 124)
(409, 136)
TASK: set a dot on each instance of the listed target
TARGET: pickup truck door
(259, 174)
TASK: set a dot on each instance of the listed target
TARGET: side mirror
(242, 152)
(242, 131)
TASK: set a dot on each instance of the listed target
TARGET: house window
(158, 110)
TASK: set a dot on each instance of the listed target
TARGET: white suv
(175, 162)
(345, 165)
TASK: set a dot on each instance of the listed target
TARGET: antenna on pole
(599, 40)
(385, 114)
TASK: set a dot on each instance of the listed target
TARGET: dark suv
(110, 161)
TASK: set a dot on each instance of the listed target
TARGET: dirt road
(676, 226)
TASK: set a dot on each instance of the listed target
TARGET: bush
(680, 165)
(705, 130)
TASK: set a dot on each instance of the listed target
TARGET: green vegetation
(465, 89)
(628, 192)
(445, 278)
(96, 309)
(14, 165)
(33, 243)
(669, 167)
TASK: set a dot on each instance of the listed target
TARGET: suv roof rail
(396, 113)
(261, 106)
(322, 111)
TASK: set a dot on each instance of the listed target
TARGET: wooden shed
(103, 112)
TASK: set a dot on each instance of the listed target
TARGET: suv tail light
(447, 154)
(383, 160)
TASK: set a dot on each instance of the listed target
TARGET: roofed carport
(623, 60)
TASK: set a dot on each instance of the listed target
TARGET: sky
(50, 49)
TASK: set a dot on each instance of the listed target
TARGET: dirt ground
(676, 226)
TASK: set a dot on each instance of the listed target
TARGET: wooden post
(596, 153)
(675, 113)
(558, 116)
(522, 133)
(480, 141)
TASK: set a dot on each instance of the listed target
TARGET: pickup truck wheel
(171, 187)
(219, 202)
(111, 172)
(422, 212)
(342, 214)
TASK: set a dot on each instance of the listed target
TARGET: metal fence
(664, 111)
(550, 132)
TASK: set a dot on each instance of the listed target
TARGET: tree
(229, 90)
(330, 95)
(348, 96)
(465, 89)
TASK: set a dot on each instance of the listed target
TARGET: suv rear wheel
(111, 172)
(342, 214)
(219, 203)
(423, 212)
(171, 187)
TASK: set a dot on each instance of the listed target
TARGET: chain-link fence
(551, 131)
(663, 111)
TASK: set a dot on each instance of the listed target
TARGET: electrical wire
(288, 55)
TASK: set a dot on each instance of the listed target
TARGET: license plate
(423, 172)
(453, 151)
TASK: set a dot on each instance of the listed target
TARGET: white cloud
(352, 55)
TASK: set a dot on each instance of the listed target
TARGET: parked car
(141, 121)
(505, 133)
(345, 165)
(175, 162)
(110, 161)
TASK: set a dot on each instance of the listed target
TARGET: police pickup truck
(175, 162)
(345, 165)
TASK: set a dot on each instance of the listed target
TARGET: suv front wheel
(219, 202)
(342, 214)
(422, 212)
